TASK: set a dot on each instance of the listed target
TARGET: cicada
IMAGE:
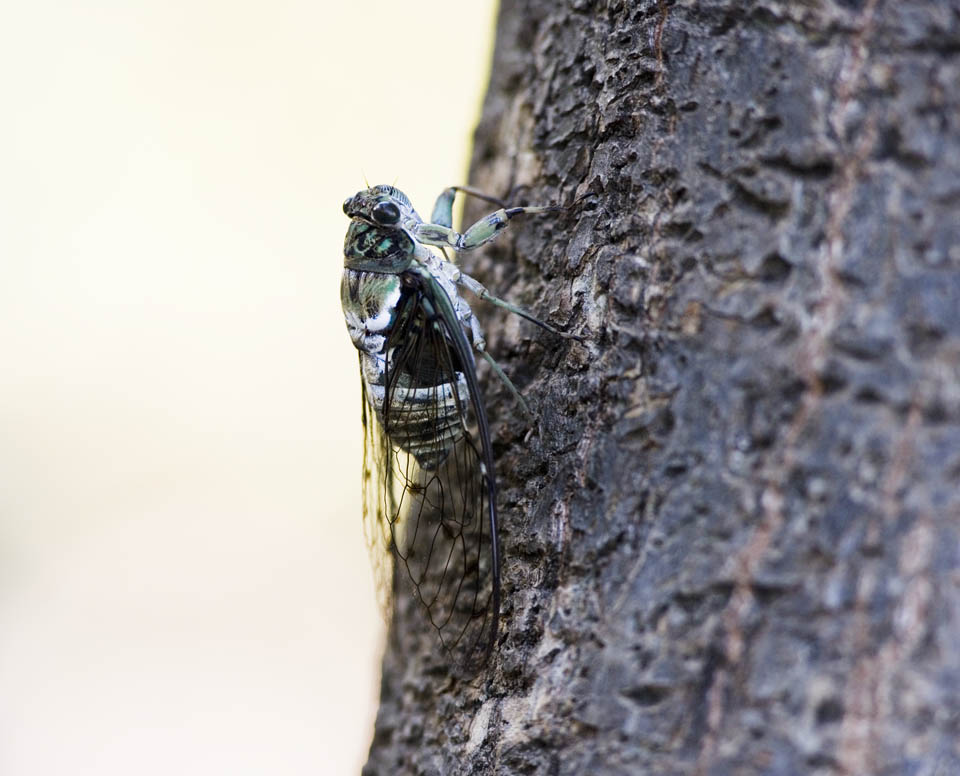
(429, 490)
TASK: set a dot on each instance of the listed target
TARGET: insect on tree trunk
(732, 538)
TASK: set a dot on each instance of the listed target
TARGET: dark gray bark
(733, 544)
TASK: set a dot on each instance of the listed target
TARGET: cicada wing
(436, 484)
(379, 499)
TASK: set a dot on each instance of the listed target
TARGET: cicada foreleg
(443, 209)
(477, 234)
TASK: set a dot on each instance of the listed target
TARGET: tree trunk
(732, 541)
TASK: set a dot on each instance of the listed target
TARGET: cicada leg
(441, 234)
(443, 209)
(508, 382)
(479, 233)
(476, 288)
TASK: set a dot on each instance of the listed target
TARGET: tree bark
(732, 543)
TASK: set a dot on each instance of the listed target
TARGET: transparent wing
(379, 500)
(430, 498)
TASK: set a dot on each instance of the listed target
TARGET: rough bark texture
(733, 543)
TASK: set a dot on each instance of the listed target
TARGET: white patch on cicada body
(360, 334)
(370, 304)
(384, 318)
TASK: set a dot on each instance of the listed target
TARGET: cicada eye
(386, 213)
(346, 206)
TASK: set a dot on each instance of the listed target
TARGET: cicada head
(381, 206)
(379, 238)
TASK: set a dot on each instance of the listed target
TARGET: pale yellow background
(183, 584)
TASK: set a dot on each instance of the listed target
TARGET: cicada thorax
(377, 249)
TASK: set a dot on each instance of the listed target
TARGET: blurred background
(183, 581)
